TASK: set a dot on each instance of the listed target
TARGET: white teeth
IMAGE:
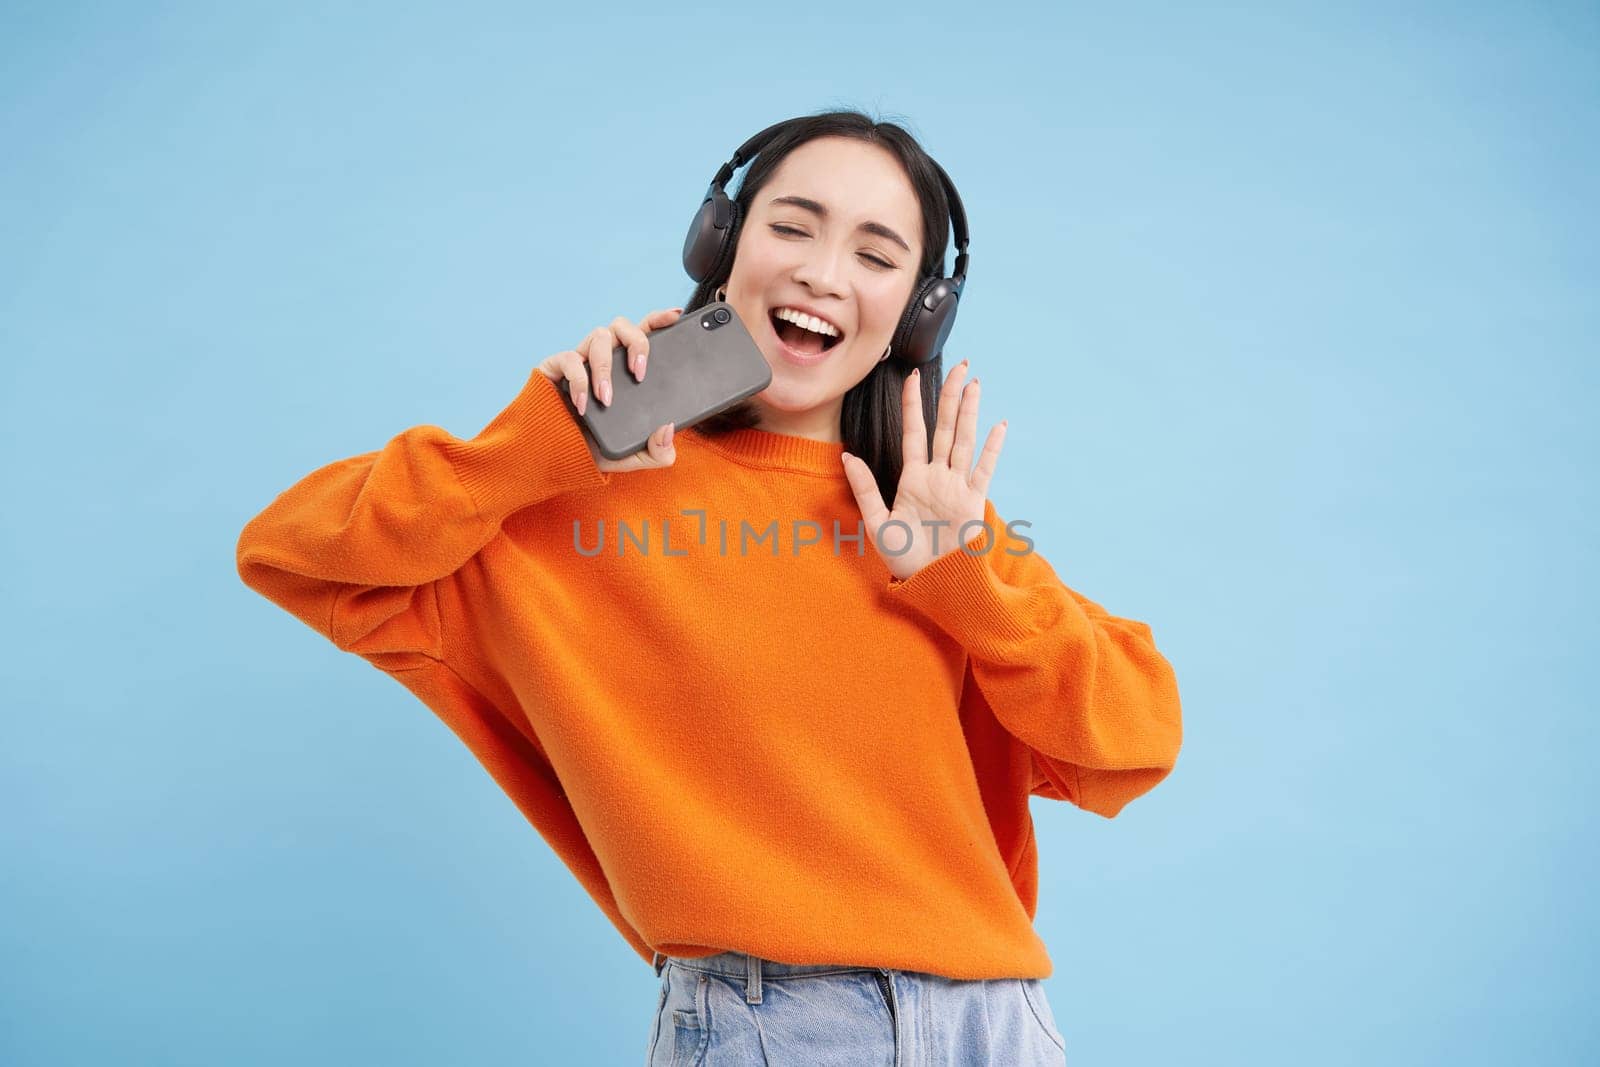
(809, 322)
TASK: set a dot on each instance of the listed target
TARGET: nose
(819, 270)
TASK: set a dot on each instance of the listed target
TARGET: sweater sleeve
(1087, 692)
(354, 548)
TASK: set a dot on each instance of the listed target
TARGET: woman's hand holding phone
(588, 367)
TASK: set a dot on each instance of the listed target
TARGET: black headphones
(931, 312)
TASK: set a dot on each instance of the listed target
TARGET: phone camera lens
(721, 315)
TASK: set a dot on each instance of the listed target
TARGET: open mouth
(799, 338)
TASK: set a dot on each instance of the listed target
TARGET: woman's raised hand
(587, 368)
(938, 486)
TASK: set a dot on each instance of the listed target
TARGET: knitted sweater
(734, 736)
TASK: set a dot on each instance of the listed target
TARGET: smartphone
(704, 363)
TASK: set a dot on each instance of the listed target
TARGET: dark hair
(869, 421)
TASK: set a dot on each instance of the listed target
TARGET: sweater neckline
(764, 448)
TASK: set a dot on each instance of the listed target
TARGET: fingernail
(583, 401)
(674, 309)
(963, 363)
(605, 392)
(672, 429)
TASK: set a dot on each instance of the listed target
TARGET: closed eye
(778, 227)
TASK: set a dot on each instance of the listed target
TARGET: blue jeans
(735, 1009)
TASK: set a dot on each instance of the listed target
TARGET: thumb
(662, 447)
(865, 489)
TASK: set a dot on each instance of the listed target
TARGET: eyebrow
(821, 211)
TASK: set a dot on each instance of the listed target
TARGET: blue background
(1293, 315)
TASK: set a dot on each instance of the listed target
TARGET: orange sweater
(781, 751)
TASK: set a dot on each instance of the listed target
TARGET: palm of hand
(939, 490)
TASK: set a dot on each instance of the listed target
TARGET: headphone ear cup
(729, 243)
(711, 236)
(937, 318)
(927, 321)
(903, 330)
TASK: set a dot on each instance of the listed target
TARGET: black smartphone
(705, 362)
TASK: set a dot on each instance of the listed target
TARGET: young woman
(787, 744)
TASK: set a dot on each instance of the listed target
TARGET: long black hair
(869, 421)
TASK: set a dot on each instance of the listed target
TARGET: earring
(722, 292)
(886, 352)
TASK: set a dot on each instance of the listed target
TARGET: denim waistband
(755, 969)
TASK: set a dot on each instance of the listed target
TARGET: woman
(792, 771)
